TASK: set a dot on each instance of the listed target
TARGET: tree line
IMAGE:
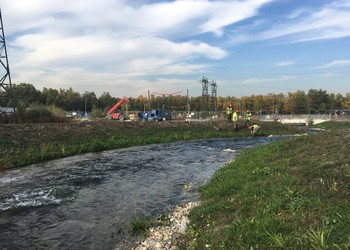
(25, 95)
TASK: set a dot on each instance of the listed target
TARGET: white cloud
(329, 22)
(258, 80)
(62, 30)
(61, 42)
(88, 43)
(284, 63)
(226, 13)
(298, 13)
(99, 50)
(336, 64)
(304, 24)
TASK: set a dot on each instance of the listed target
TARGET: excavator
(115, 113)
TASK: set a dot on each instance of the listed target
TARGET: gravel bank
(165, 237)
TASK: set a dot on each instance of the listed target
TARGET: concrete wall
(299, 119)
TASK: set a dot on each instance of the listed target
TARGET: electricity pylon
(5, 80)
(205, 96)
(213, 94)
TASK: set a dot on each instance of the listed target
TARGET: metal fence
(211, 115)
(274, 117)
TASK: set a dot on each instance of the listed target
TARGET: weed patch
(140, 224)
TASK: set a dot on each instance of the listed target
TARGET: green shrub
(57, 112)
(98, 113)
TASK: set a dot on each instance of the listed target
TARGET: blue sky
(128, 48)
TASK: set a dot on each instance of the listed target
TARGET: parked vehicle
(155, 117)
(164, 114)
(145, 116)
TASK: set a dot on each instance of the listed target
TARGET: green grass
(291, 194)
(140, 224)
(23, 144)
(330, 125)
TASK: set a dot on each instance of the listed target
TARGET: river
(88, 201)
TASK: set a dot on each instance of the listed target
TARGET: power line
(170, 94)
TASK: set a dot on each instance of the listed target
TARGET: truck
(164, 114)
(145, 116)
(156, 115)
(115, 113)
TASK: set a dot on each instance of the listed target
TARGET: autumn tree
(90, 101)
(317, 100)
(26, 94)
(279, 103)
(346, 101)
(220, 103)
(258, 103)
(140, 103)
(69, 100)
(335, 101)
(195, 103)
(105, 101)
(50, 96)
(296, 103)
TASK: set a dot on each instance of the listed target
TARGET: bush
(310, 122)
(36, 114)
(98, 113)
(58, 112)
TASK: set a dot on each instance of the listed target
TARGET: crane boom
(115, 113)
(111, 110)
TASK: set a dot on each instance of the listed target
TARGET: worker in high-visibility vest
(248, 118)
(229, 112)
(235, 119)
(254, 129)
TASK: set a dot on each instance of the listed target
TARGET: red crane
(115, 113)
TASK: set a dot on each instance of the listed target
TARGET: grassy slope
(23, 144)
(292, 194)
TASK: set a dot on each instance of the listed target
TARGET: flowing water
(88, 201)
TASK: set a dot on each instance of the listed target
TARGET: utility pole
(6, 95)
(273, 102)
(188, 103)
(85, 114)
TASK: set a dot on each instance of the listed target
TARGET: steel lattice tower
(5, 81)
(213, 94)
(205, 96)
